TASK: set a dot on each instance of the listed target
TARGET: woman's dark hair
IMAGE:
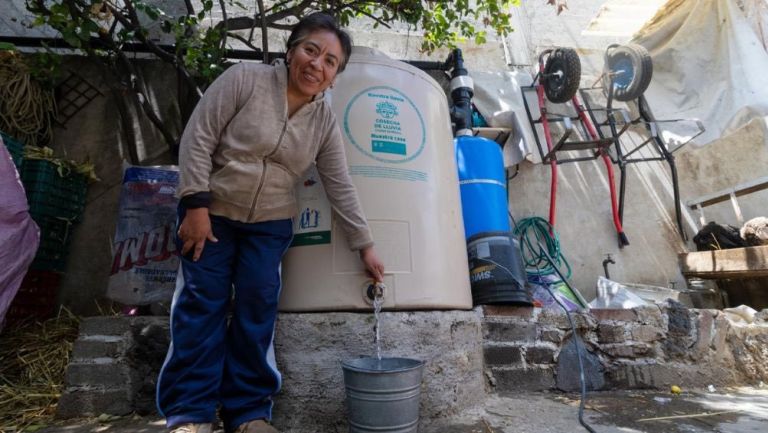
(321, 21)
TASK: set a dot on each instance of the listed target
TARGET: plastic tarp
(710, 63)
(19, 235)
(498, 97)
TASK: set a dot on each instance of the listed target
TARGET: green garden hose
(535, 233)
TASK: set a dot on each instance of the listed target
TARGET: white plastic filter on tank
(395, 122)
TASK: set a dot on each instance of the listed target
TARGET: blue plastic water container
(483, 185)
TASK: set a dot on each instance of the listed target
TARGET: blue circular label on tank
(384, 124)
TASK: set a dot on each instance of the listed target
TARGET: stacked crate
(56, 201)
(56, 198)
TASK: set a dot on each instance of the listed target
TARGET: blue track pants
(213, 361)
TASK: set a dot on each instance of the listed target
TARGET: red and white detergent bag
(144, 256)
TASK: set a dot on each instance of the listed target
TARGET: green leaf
(71, 38)
(7, 46)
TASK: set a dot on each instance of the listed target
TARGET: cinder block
(610, 333)
(509, 331)
(650, 315)
(512, 380)
(105, 325)
(628, 350)
(510, 311)
(503, 355)
(647, 333)
(611, 314)
(539, 355)
(86, 402)
(551, 335)
(559, 319)
(97, 348)
(102, 375)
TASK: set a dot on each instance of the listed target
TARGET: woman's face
(314, 63)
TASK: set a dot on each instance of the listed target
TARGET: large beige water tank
(399, 146)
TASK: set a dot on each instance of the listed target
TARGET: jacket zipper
(264, 170)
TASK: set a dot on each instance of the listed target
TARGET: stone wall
(467, 354)
(648, 347)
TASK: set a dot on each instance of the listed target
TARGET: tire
(632, 69)
(562, 75)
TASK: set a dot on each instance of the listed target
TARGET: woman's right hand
(194, 230)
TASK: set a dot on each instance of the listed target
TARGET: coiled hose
(534, 236)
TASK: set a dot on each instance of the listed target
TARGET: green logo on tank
(386, 126)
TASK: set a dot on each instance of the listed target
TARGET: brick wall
(648, 347)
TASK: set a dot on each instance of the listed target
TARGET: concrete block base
(118, 360)
(311, 347)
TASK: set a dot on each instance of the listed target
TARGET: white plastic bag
(611, 294)
(742, 313)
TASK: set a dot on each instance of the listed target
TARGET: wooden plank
(732, 263)
(499, 135)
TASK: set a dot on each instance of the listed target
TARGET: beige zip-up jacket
(241, 150)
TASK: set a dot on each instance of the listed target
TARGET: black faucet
(608, 259)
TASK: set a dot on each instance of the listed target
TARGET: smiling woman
(317, 52)
(256, 130)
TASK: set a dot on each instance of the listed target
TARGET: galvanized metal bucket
(383, 395)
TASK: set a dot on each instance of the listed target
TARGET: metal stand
(565, 143)
(624, 157)
(598, 144)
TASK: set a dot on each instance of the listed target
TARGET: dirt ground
(736, 410)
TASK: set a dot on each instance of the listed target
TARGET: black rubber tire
(561, 87)
(635, 68)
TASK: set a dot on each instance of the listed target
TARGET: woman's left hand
(373, 265)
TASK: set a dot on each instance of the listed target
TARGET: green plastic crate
(51, 195)
(15, 148)
(54, 243)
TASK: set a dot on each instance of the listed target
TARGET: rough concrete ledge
(310, 348)
(117, 359)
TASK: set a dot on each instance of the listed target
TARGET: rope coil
(27, 108)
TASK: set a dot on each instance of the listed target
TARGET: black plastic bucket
(496, 270)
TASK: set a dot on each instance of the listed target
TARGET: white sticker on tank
(483, 250)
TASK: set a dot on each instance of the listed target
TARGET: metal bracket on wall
(608, 126)
(74, 93)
